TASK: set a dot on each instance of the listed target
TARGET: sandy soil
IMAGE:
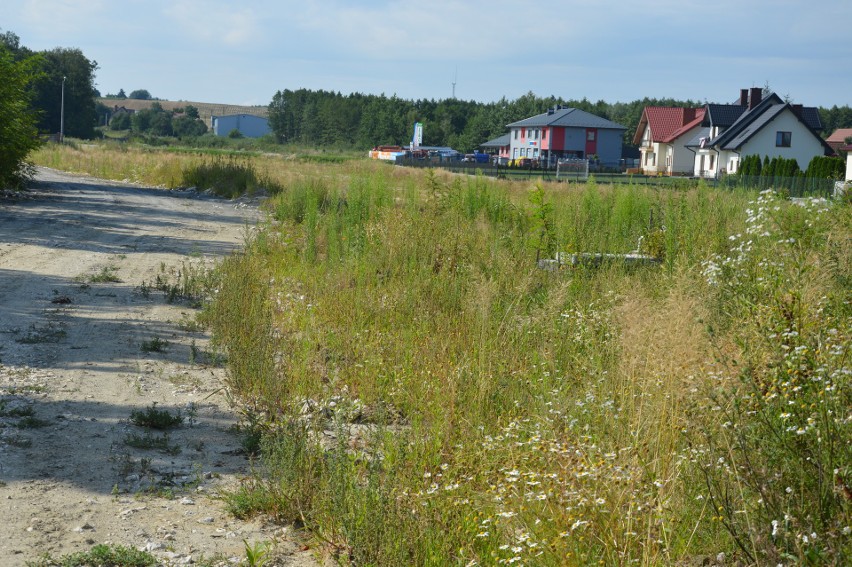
(72, 370)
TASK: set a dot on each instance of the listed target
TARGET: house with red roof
(838, 139)
(662, 135)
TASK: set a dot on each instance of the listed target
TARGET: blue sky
(242, 52)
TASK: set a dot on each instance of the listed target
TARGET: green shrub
(18, 135)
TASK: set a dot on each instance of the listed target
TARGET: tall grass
(429, 397)
(512, 415)
(230, 173)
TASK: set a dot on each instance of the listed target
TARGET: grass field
(424, 395)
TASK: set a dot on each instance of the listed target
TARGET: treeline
(327, 118)
(157, 121)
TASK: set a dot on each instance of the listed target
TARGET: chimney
(754, 97)
(797, 110)
(688, 115)
(743, 97)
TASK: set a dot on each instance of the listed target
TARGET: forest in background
(327, 118)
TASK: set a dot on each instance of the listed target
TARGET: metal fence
(793, 186)
(608, 173)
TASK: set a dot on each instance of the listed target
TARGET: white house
(757, 126)
(662, 135)
(848, 150)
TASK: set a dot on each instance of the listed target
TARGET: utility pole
(62, 115)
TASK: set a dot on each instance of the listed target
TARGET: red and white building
(662, 135)
(564, 132)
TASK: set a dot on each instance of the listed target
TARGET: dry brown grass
(664, 352)
(205, 109)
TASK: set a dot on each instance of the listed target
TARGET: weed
(49, 333)
(18, 441)
(257, 554)
(190, 324)
(145, 290)
(191, 413)
(152, 442)
(30, 422)
(185, 379)
(155, 418)
(154, 345)
(112, 555)
(26, 389)
(106, 275)
(193, 353)
(20, 411)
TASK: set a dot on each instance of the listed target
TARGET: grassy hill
(205, 109)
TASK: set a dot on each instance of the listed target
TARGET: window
(516, 134)
(712, 162)
(783, 139)
(590, 135)
(544, 134)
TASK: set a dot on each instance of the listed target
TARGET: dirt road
(73, 366)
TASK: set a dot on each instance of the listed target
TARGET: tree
(120, 121)
(121, 94)
(826, 167)
(152, 120)
(79, 75)
(184, 126)
(161, 124)
(191, 111)
(140, 94)
(18, 132)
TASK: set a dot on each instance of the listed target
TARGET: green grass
(100, 555)
(106, 275)
(154, 345)
(150, 442)
(155, 418)
(519, 412)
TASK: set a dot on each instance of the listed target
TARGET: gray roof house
(564, 132)
(757, 126)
